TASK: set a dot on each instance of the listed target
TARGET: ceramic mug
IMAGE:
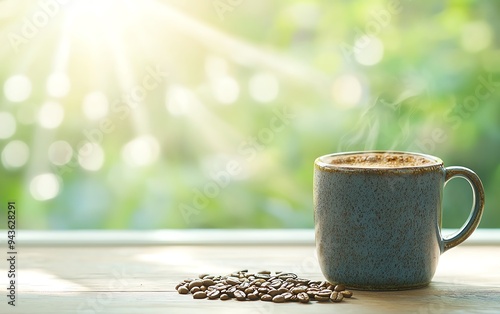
(378, 217)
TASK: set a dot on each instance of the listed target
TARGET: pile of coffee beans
(278, 287)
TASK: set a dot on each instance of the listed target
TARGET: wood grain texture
(141, 279)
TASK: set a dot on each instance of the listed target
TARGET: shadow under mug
(379, 227)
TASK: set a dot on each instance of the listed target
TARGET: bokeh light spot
(225, 90)
(50, 115)
(141, 151)
(44, 187)
(58, 85)
(15, 154)
(91, 156)
(95, 105)
(369, 50)
(60, 153)
(264, 87)
(178, 100)
(17, 88)
(7, 125)
(476, 36)
(347, 91)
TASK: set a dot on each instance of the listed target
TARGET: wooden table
(136, 272)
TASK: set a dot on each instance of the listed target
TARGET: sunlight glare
(58, 85)
(215, 67)
(179, 100)
(95, 105)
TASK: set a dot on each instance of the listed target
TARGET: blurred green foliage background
(209, 114)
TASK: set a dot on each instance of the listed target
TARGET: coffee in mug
(378, 217)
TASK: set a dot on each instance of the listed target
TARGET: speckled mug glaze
(379, 228)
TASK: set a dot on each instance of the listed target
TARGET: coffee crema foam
(380, 160)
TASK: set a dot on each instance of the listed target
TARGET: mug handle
(477, 208)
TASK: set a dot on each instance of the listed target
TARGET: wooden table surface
(62, 276)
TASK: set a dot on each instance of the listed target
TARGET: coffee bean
(257, 282)
(240, 295)
(302, 281)
(321, 298)
(276, 283)
(208, 282)
(303, 297)
(265, 284)
(179, 285)
(287, 296)
(339, 287)
(298, 289)
(266, 297)
(324, 284)
(244, 285)
(195, 283)
(213, 294)
(312, 291)
(230, 291)
(314, 283)
(233, 281)
(347, 293)
(336, 296)
(253, 296)
(282, 290)
(280, 287)
(324, 293)
(199, 295)
(287, 285)
(285, 276)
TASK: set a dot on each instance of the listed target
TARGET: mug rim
(322, 165)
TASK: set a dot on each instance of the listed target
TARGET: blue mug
(378, 217)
